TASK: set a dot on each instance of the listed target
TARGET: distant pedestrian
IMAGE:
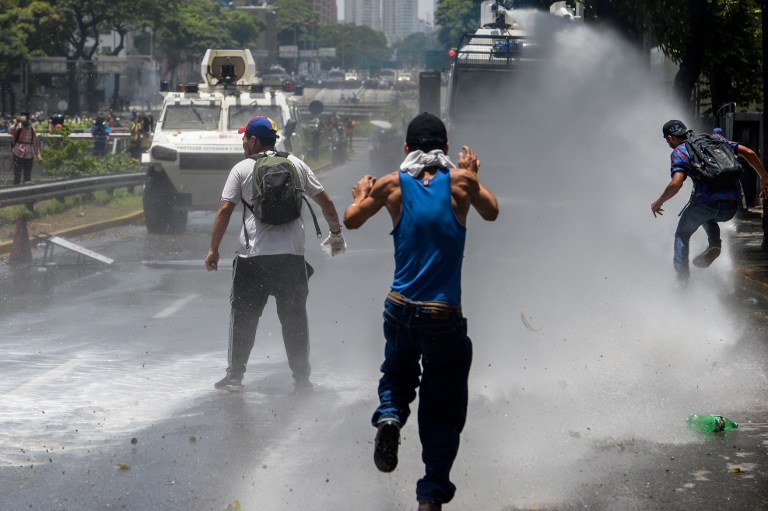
(427, 345)
(349, 131)
(25, 145)
(100, 133)
(270, 260)
(709, 203)
(137, 136)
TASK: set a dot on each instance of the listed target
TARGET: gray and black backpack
(277, 192)
(713, 158)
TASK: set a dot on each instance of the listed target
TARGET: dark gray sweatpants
(254, 280)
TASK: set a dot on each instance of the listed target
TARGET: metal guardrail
(32, 193)
(116, 142)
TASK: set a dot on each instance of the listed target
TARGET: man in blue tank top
(427, 344)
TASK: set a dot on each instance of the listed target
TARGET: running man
(426, 333)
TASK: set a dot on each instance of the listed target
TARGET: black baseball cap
(426, 129)
(675, 128)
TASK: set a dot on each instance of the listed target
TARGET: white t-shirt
(266, 239)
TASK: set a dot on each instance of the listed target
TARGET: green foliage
(201, 24)
(717, 40)
(26, 29)
(412, 49)
(243, 28)
(295, 22)
(354, 45)
(120, 199)
(70, 157)
(455, 18)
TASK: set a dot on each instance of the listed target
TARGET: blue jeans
(695, 216)
(440, 342)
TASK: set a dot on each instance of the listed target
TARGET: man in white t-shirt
(269, 262)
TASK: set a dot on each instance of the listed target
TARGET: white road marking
(45, 378)
(178, 304)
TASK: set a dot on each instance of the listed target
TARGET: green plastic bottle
(710, 423)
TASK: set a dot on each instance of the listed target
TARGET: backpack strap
(245, 231)
(314, 217)
(694, 155)
(16, 136)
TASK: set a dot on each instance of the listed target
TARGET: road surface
(584, 372)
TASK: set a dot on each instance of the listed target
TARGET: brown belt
(432, 307)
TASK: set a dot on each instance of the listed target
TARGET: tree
(455, 18)
(80, 33)
(718, 40)
(242, 27)
(295, 21)
(125, 17)
(412, 50)
(21, 37)
(198, 25)
(355, 45)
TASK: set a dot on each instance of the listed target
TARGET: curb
(748, 283)
(135, 217)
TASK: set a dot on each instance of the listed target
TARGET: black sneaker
(230, 384)
(386, 445)
(704, 259)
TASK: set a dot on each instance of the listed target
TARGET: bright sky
(425, 6)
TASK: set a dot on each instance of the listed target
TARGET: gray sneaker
(704, 259)
(230, 384)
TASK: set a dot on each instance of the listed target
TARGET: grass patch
(119, 199)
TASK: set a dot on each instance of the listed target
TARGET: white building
(363, 12)
(399, 18)
(396, 18)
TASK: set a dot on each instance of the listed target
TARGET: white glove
(334, 244)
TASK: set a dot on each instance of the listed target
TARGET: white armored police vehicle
(195, 142)
(489, 60)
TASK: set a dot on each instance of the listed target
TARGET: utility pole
(764, 141)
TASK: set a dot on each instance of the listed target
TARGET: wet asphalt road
(107, 400)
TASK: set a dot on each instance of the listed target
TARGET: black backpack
(713, 158)
(277, 192)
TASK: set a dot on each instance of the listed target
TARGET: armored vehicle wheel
(157, 204)
(177, 221)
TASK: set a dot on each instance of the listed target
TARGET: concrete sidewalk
(749, 260)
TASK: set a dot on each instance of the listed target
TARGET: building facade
(399, 18)
(326, 10)
(396, 18)
(364, 13)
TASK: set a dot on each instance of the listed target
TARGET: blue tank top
(429, 241)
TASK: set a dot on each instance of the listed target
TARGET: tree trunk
(90, 86)
(721, 89)
(115, 103)
(693, 55)
(4, 84)
(629, 27)
(7, 96)
(73, 88)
